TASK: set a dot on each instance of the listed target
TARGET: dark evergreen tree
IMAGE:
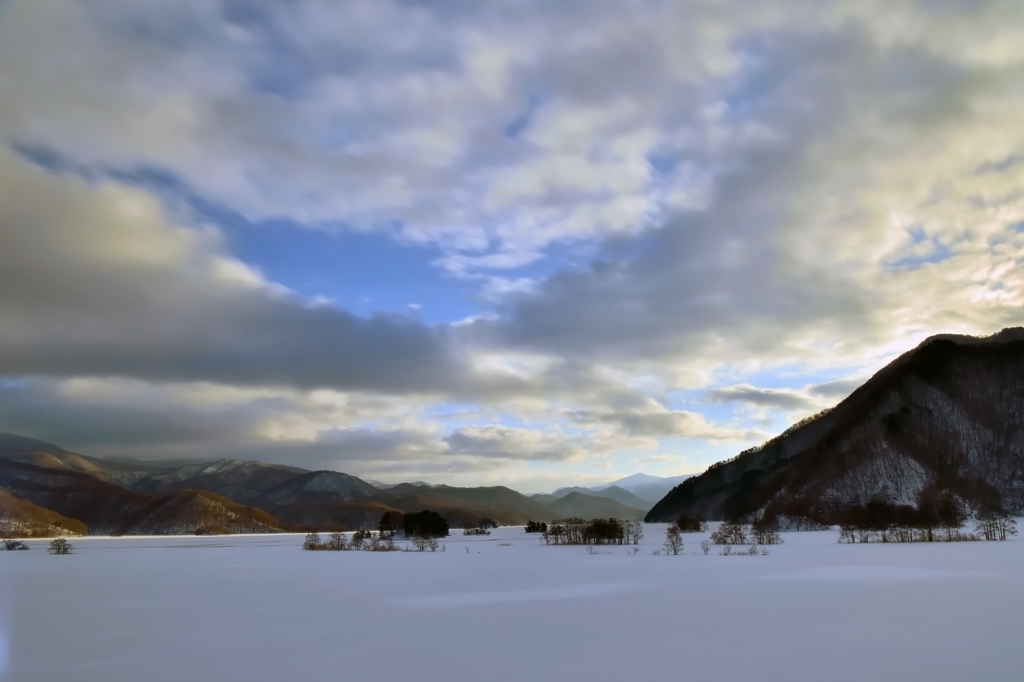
(425, 524)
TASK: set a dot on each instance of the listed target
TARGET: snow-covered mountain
(646, 486)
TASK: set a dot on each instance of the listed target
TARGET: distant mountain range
(944, 419)
(48, 490)
(639, 491)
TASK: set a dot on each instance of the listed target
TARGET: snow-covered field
(259, 608)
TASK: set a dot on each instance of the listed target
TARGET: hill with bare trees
(944, 419)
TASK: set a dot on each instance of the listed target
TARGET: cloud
(654, 420)
(97, 280)
(746, 189)
(513, 443)
(761, 397)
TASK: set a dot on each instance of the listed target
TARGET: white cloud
(751, 188)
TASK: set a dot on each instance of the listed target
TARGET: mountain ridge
(941, 418)
(119, 496)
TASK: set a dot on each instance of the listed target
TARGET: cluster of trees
(368, 541)
(480, 528)
(762, 531)
(422, 529)
(730, 533)
(424, 524)
(994, 526)
(536, 527)
(576, 531)
(14, 545)
(765, 531)
(688, 524)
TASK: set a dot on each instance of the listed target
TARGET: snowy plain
(505, 607)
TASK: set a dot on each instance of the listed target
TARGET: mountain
(197, 511)
(98, 507)
(645, 486)
(945, 418)
(29, 451)
(104, 496)
(467, 505)
(590, 507)
(612, 492)
(22, 519)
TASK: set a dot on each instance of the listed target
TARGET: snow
(259, 608)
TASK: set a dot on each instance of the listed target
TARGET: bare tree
(337, 542)
(635, 532)
(358, 538)
(673, 540)
(766, 532)
(312, 542)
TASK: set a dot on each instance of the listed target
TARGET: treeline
(576, 531)
(367, 541)
(939, 522)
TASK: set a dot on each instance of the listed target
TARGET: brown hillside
(21, 519)
(197, 511)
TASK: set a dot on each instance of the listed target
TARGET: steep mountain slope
(947, 416)
(22, 519)
(614, 492)
(590, 507)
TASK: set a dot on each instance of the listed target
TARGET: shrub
(14, 545)
(475, 531)
(60, 546)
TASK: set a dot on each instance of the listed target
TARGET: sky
(523, 243)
